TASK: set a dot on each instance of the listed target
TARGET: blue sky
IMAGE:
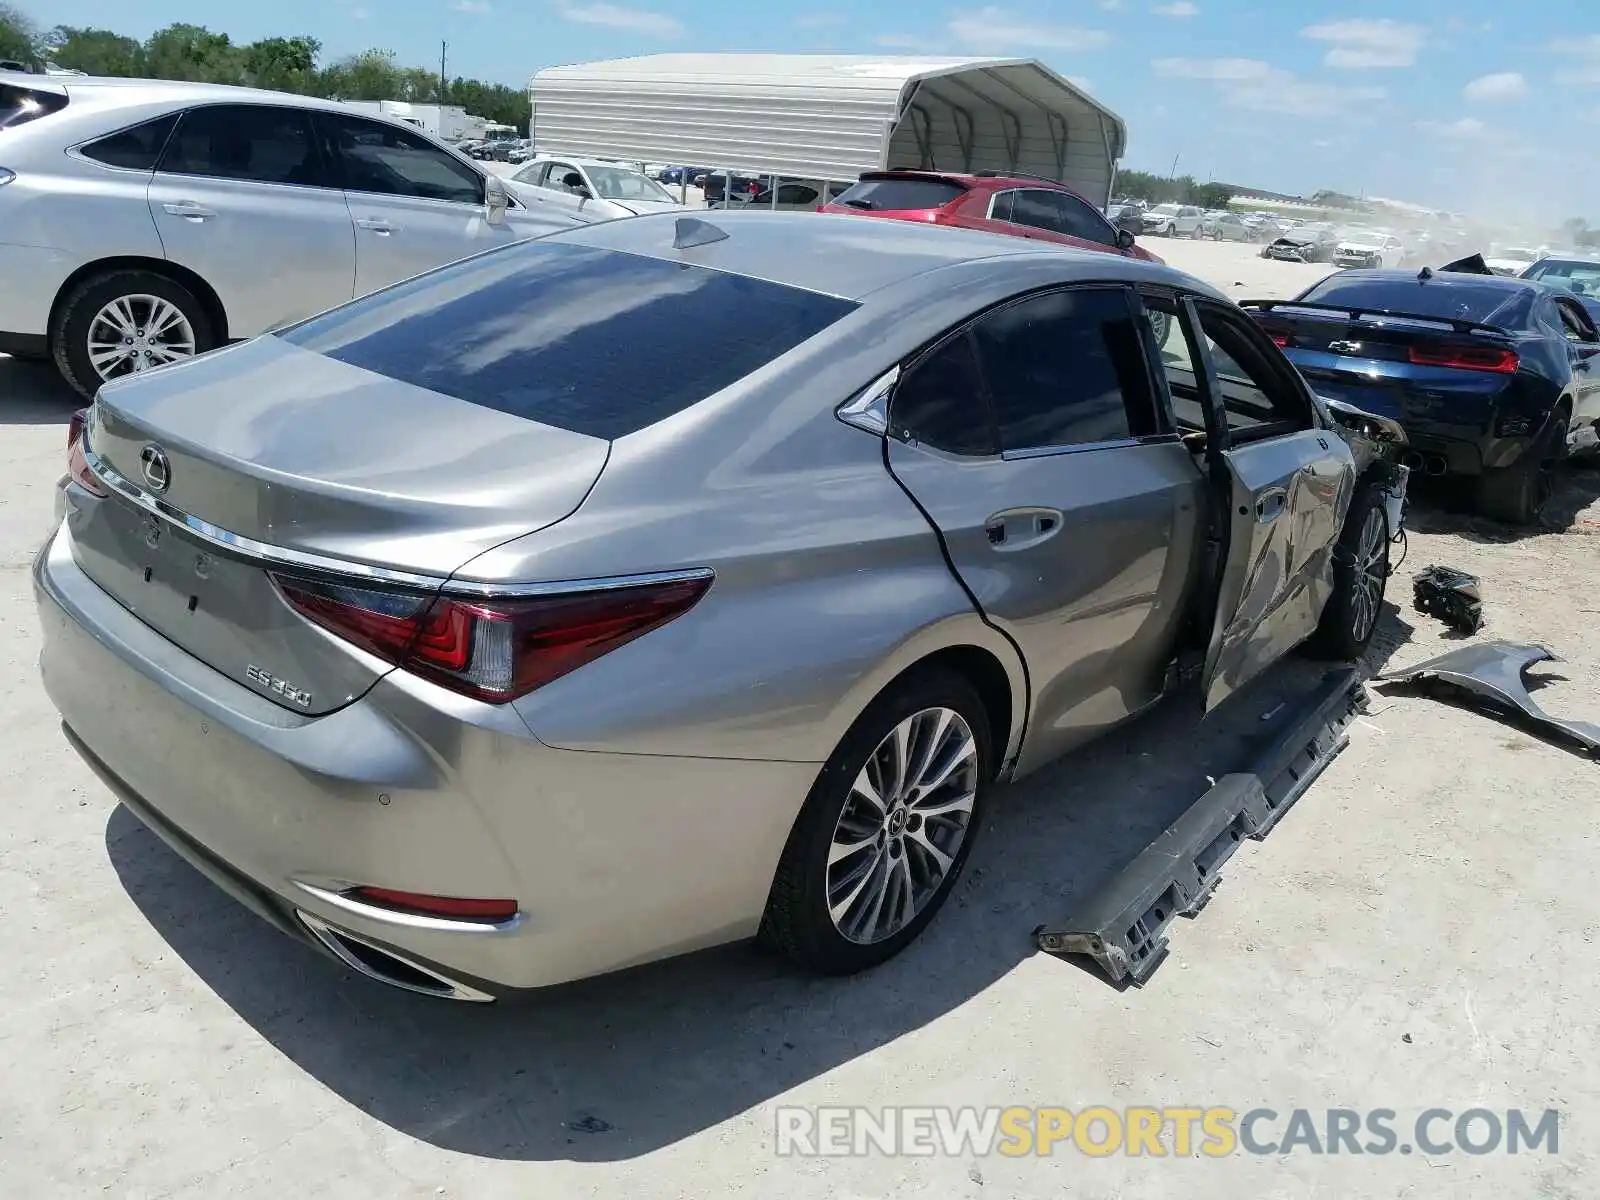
(1461, 103)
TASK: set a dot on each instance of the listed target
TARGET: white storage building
(830, 116)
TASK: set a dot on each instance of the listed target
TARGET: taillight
(1468, 358)
(492, 649)
(77, 464)
(453, 908)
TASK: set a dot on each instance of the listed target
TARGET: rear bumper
(615, 859)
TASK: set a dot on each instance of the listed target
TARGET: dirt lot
(1418, 933)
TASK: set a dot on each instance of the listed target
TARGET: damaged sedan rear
(517, 623)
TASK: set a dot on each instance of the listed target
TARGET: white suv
(1173, 220)
(143, 221)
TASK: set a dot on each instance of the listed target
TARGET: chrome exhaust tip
(386, 966)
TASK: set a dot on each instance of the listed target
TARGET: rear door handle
(375, 224)
(189, 209)
(1270, 505)
(1021, 528)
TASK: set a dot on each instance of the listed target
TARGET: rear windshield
(19, 105)
(898, 195)
(1452, 300)
(595, 341)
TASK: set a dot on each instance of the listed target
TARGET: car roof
(846, 256)
(575, 161)
(118, 89)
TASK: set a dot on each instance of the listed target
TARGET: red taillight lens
(1279, 339)
(1468, 358)
(494, 650)
(77, 464)
(451, 908)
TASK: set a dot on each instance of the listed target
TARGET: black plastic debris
(1451, 596)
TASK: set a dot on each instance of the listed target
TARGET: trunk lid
(1368, 364)
(273, 443)
(294, 449)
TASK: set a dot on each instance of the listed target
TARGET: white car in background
(1173, 220)
(146, 221)
(590, 188)
(1513, 260)
(1368, 248)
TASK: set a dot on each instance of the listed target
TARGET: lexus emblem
(155, 467)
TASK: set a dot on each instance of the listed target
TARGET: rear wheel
(888, 825)
(1518, 494)
(125, 323)
(1360, 575)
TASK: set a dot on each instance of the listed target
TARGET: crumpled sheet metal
(1493, 671)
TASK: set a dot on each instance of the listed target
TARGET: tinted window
(19, 105)
(1059, 367)
(375, 157)
(1039, 209)
(137, 149)
(1000, 206)
(1460, 300)
(244, 141)
(940, 402)
(1083, 222)
(590, 340)
(898, 194)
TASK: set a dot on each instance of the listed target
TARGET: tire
(79, 316)
(1360, 576)
(1517, 494)
(799, 922)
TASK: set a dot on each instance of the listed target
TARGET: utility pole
(443, 46)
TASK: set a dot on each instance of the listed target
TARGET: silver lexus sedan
(661, 582)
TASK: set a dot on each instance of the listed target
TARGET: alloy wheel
(1371, 572)
(136, 333)
(902, 826)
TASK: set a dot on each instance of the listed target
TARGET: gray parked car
(518, 623)
(145, 221)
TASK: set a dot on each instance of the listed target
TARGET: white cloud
(1359, 44)
(1082, 84)
(1465, 130)
(631, 20)
(1586, 51)
(1180, 9)
(471, 6)
(360, 14)
(996, 29)
(1504, 85)
(1111, 5)
(1249, 83)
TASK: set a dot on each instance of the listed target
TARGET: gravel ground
(1418, 932)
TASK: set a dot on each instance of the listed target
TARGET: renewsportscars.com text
(1178, 1131)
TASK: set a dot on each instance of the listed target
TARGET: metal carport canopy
(830, 116)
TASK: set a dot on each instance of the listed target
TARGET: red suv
(1020, 205)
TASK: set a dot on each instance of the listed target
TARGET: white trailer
(448, 121)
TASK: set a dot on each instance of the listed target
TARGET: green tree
(370, 75)
(283, 64)
(96, 51)
(495, 101)
(193, 52)
(1212, 195)
(19, 38)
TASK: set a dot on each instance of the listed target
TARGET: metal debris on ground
(1492, 671)
(1450, 595)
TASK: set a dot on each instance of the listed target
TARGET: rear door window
(383, 159)
(1066, 369)
(255, 142)
(19, 105)
(135, 149)
(595, 341)
(1038, 208)
(898, 195)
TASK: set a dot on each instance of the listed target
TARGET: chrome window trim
(1081, 447)
(300, 560)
